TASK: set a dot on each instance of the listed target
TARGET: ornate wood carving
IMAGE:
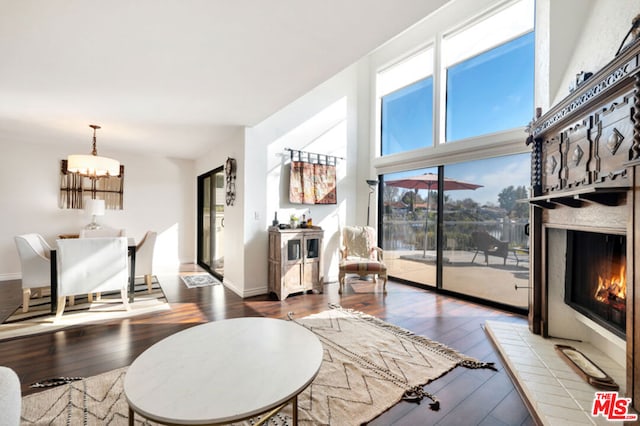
(552, 165)
(614, 140)
(579, 148)
(589, 94)
(635, 148)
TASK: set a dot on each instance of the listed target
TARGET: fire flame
(612, 289)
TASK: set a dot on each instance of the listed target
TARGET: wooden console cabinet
(295, 260)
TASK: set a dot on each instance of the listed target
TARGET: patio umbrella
(429, 181)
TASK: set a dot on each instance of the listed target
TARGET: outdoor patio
(495, 281)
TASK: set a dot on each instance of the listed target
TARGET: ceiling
(172, 77)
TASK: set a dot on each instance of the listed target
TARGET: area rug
(199, 280)
(39, 318)
(368, 366)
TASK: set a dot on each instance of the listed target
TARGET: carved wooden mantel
(586, 157)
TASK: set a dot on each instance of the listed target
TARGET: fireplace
(595, 281)
(585, 216)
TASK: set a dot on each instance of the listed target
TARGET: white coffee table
(223, 371)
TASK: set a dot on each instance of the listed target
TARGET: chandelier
(93, 165)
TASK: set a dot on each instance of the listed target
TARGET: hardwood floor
(467, 397)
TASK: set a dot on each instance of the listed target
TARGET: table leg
(132, 273)
(295, 410)
(54, 281)
(131, 417)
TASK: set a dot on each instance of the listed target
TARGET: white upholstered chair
(91, 265)
(10, 397)
(34, 255)
(144, 258)
(102, 232)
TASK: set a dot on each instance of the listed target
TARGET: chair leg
(148, 279)
(340, 281)
(384, 284)
(125, 298)
(72, 300)
(90, 297)
(61, 301)
(26, 296)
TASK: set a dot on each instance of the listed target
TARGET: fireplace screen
(596, 284)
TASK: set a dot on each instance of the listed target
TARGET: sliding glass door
(461, 228)
(211, 221)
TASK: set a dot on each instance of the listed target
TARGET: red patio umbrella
(429, 181)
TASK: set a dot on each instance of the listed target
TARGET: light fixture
(93, 165)
(372, 186)
(95, 208)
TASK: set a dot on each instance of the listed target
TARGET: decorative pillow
(359, 241)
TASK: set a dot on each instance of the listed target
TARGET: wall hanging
(230, 174)
(75, 187)
(313, 178)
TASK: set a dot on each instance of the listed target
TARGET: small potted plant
(293, 221)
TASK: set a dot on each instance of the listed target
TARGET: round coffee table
(223, 371)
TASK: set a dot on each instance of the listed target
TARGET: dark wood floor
(467, 397)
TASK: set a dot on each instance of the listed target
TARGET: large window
(406, 104)
(485, 246)
(454, 217)
(491, 92)
(483, 85)
(407, 118)
(409, 225)
(472, 216)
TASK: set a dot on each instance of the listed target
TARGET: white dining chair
(34, 253)
(91, 265)
(144, 258)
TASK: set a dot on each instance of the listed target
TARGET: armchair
(90, 265)
(360, 255)
(35, 262)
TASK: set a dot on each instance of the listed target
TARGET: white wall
(584, 36)
(323, 121)
(159, 194)
(234, 217)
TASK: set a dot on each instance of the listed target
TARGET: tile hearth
(557, 394)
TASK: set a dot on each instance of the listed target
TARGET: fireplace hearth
(595, 283)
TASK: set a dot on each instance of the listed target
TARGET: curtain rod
(301, 152)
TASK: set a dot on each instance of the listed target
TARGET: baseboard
(8, 277)
(255, 292)
(244, 293)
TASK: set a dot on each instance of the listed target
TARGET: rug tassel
(417, 394)
(56, 381)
